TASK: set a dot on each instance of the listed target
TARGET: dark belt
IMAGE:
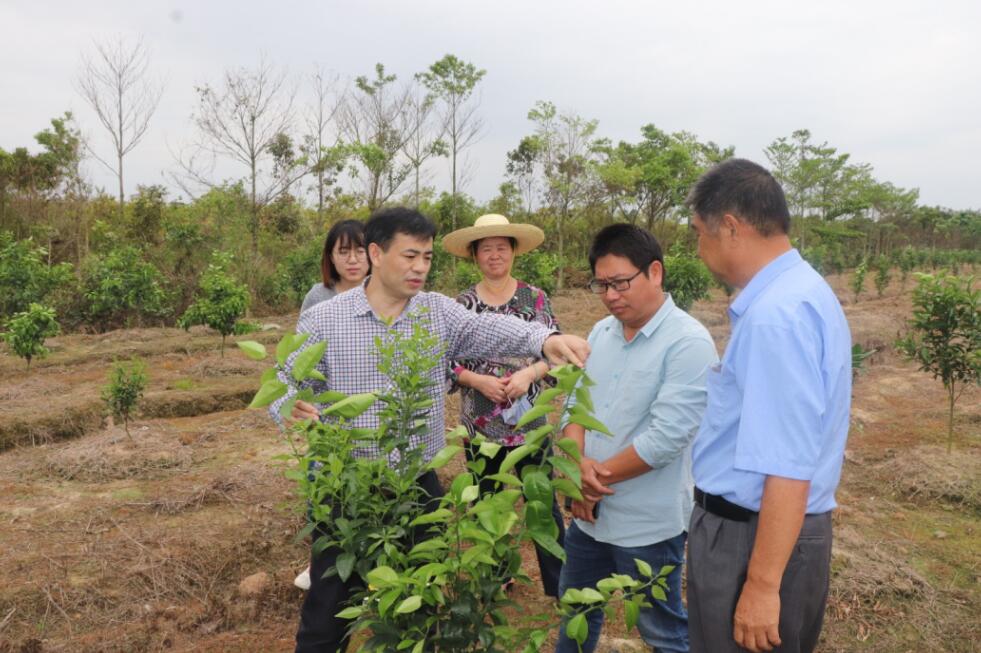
(722, 508)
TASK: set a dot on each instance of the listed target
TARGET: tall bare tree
(453, 81)
(426, 138)
(248, 119)
(375, 123)
(323, 149)
(117, 84)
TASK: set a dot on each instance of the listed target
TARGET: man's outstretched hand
(562, 348)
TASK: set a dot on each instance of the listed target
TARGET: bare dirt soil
(181, 538)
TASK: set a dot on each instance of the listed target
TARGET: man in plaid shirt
(400, 246)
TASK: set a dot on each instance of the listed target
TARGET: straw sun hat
(487, 226)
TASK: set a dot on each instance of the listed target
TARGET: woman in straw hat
(496, 392)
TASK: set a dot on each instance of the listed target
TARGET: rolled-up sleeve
(680, 403)
(782, 436)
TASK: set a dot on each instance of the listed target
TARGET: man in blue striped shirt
(649, 359)
(768, 455)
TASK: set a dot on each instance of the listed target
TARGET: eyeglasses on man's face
(600, 287)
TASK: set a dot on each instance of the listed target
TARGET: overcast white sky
(896, 84)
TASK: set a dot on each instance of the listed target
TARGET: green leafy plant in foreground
(122, 395)
(945, 335)
(432, 581)
(27, 330)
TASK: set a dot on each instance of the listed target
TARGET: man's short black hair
(385, 223)
(637, 245)
(745, 190)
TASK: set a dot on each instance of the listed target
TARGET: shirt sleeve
(485, 335)
(306, 324)
(783, 402)
(680, 402)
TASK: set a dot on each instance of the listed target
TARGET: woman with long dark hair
(343, 265)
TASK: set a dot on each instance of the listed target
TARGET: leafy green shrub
(25, 276)
(906, 262)
(122, 395)
(121, 288)
(539, 269)
(442, 591)
(858, 279)
(221, 302)
(859, 356)
(27, 330)
(882, 275)
(945, 335)
(297, 271)
(686, 278)
(466, 274)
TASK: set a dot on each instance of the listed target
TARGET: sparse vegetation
(127, 382)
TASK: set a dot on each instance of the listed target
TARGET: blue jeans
(663, 626)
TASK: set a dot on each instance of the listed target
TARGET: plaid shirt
(350, 363)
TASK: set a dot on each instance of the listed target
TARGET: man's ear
(656, 273)
(731, 226)
(374, 253)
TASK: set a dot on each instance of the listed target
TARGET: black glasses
(600, 287)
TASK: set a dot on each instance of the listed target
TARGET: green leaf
(608, 585)
(268, 393)
(352, 406)
(444, 456)
(254, 350)
(418, 648)
(546, 396)
(644, 568)
(583, 399)
(507, 479)
(567, 467)
(578, 628)
(534, 413)
(328, 397)
(288, 344)
(470, 493)
(268, 375)
(538, 487)
(382, 576)
(307, 360)
(589, 595)
(350, 613)
(489, 448)
(514, 457)
(631, 612)
(570, 447)
(659, 593)
(590, 423)
(386, 600)
(567, 487)
(316, 374)
(442, 514)
(345, 565)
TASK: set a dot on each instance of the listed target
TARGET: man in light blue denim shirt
(768, 455)
(649, 363)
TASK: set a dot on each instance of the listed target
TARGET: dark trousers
(549, 566)
(320, 630)
(718, 556)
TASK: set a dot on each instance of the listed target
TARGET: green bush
(25, 276)
(882, 275)
(122, 395)
(466, 274)
(297, 271)
(26, 331)
(221, 300)
(858, 279)
(539, 269)
(122, 289)
(687, 279)
(945, 335)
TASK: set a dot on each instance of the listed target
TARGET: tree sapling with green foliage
(221, 302)
(127, 382)
(945, 335)
(882, 275)
(686, 278)
(858, 279)
(27, 330)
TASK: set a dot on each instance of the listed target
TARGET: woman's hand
(490, 386)
(518, 383)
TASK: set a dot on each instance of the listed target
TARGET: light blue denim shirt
(650, 393)
(778, 404)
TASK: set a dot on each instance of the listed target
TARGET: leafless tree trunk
(326, 103)
(116, 83)
(425, 141)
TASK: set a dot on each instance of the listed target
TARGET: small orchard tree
(882, 275)
(27, 330)
(858, 279)
(221, 302)
(122, 395)
(906, 261)
(945, 335)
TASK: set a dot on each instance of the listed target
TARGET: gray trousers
(718, 555)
